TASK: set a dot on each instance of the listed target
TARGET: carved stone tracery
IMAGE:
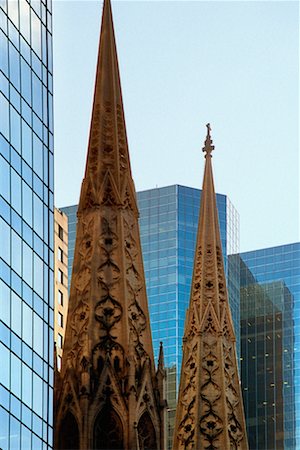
(108, 377)
(209, 410)
(108, 312)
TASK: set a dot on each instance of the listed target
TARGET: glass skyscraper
(168, 227)
(26, 225)
(71, 213)
(168, 223)
(270, 346)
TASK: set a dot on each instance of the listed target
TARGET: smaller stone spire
(161, 363)
(209, 412)
(161, 393)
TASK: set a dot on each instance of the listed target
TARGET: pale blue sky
(183, 64)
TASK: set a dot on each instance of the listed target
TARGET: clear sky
(183, 64)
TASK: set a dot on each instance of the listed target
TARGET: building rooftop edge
(267, 248)
(154, 189)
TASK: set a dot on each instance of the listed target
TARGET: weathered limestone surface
(210, 407)
(108, 394)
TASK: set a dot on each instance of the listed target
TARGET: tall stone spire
(108, 395)
(210, 407)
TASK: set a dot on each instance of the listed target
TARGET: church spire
(109, 394)
(108, 155)
(210, 407)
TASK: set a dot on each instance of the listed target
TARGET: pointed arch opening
(108, 430)
(146, 433)
(68, 433)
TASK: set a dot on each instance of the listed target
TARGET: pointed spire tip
(208, 147)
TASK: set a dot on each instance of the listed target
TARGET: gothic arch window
(146, 433)
(117, 364)
(108, 430)
(68, 433)
(100, 364)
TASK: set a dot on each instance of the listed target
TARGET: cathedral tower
(108, 395)
(210, 406)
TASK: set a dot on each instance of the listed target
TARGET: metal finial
(208, 147)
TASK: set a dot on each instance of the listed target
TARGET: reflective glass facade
(71, 213)
(168, 223)
(26, 225)
(270, 346)
(168, 226)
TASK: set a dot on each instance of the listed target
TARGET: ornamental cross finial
(208, 147)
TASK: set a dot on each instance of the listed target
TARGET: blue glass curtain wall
(26, 225)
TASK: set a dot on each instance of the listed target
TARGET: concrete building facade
(61, 294)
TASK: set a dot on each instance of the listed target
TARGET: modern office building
(71, 213)
(61, 295)
(168, 226)
(26, 226)
(270, 346)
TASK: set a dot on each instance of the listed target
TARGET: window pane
(36, 33)
(14, 66)
(4, 421)
(60, 232)
(60, 276)
(4, 366)
(14, 434)
(26, 385)
(60, 298)
(38, 275)
(4, 114)
(16, 252)
(37, 395)
(15, 129)
(60, 320)
(38, 215)
(4, 303)
(4, 179)
(25, 20)
(27, 264)
(15, 375)
(27, 324)
(16, 313)
(60, 254)
(16, 191)
(38, 156)
(13, 12)
(26, 143)
(60, 340)
(27, 203)
(38, 335)
(25, 80)
(5, 241)
(3, 53)
(37, 98)
(25, 438)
